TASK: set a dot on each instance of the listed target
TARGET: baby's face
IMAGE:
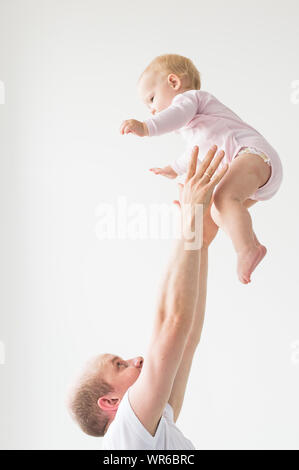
(156, 91)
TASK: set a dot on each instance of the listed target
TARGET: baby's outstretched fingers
(126, 127)
(123, 127)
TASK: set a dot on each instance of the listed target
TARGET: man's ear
(174, 81)
(108, 403)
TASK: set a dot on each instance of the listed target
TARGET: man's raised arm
(150, 393)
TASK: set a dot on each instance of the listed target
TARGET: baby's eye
(152, 99)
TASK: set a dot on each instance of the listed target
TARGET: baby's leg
(249, 203)
(246, 174)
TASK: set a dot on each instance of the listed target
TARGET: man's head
(95, 398)
(165, 77)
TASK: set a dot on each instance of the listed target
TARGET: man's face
(117, 372)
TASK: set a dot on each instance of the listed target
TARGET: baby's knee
(224, 196)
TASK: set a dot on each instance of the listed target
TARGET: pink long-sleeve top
(204, 121)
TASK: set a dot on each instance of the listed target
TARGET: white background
(70, 70)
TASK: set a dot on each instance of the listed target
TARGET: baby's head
(164, 78)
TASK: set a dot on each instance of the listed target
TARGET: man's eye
(120, 364)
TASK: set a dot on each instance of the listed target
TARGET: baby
(170, 87)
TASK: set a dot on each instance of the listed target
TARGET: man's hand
(167, 171)
(199, 184)
(204, 187)
(132, 126)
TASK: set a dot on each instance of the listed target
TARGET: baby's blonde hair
(180, 66)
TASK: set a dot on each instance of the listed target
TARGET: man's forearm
(179, 385)
(179, 290)
(200, 307)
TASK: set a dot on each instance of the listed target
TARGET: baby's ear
(174, 81)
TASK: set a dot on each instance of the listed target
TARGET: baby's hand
(167, 171)
(135, 127)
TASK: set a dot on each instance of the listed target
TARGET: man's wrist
(192, 226)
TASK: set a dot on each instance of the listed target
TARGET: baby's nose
(153, 111)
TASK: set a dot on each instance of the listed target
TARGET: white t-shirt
(127, 432)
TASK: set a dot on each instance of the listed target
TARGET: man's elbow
(180, 320)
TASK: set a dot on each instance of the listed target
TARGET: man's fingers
(215, 163)
(218, 177)
(192, 164)
(212, 168)
(205, 163)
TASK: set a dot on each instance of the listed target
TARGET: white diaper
(271, 187)
(255, 152)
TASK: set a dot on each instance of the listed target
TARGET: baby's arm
(167, 171)
(178, 167)
(178, 114)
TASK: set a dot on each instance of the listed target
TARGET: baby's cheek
(162, 105)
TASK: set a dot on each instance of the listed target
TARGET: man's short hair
(84, 406)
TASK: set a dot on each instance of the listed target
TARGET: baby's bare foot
(248, 261)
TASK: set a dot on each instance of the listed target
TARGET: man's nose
(136, 362)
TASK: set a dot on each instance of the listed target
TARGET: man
(135, 405)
